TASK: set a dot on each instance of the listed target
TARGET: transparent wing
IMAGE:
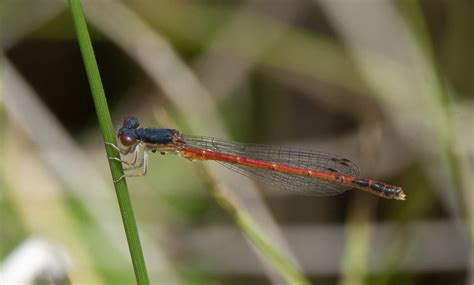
(306, 159)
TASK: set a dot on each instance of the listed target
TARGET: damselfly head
(127, 133)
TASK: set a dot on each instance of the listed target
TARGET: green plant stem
(106, 127)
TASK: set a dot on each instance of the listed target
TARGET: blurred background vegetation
(387, 84)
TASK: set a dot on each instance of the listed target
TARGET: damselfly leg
(135, 163)
(135, 150)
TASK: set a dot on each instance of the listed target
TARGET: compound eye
(131, 123)
(126, 140)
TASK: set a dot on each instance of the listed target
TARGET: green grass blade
(260, 239)
(106, 127)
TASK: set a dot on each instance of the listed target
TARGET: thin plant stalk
(106, 127)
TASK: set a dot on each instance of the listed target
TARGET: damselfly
(300, 171)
